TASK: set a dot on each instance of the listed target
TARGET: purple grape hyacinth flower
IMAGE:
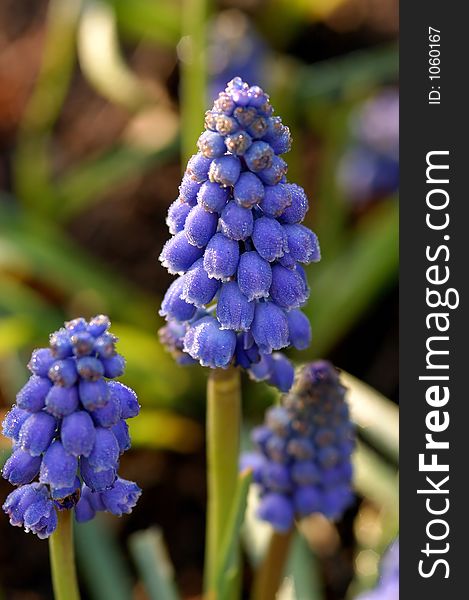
(238, 246)
(302, 462)
(69, 427)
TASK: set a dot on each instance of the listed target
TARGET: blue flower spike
(68, 429)
(302, 462)
(238, 246)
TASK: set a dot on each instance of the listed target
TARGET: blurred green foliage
(100, 561)
(151, 557)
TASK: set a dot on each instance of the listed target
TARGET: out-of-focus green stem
(376, 416)
(269, 575)
(228, 573)
(192, 52)
(153, 563)
(101, 562)
(374, 479)
(332, 211)
(101, 60)
(223, 434)
(62, 559)
(32, 164)
(365, 269)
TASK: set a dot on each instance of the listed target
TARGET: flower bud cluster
(68, 428)
(238, 245)
(303, 459)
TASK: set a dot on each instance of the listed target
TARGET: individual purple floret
(13, 422)
(303, 451)
(388, 584)
(69, 428)
(21, 467)
(209, 344)
(31, 507)
(238, 246)
(118, 500)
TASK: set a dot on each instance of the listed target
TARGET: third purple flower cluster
(302, 463)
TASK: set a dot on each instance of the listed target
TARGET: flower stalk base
(223, 432)
(270, 574)
(62, 559)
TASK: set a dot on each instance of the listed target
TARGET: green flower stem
(192, 55)
(270, 573)
(223, 433)
(62, 559)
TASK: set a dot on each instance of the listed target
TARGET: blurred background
(101, 103)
